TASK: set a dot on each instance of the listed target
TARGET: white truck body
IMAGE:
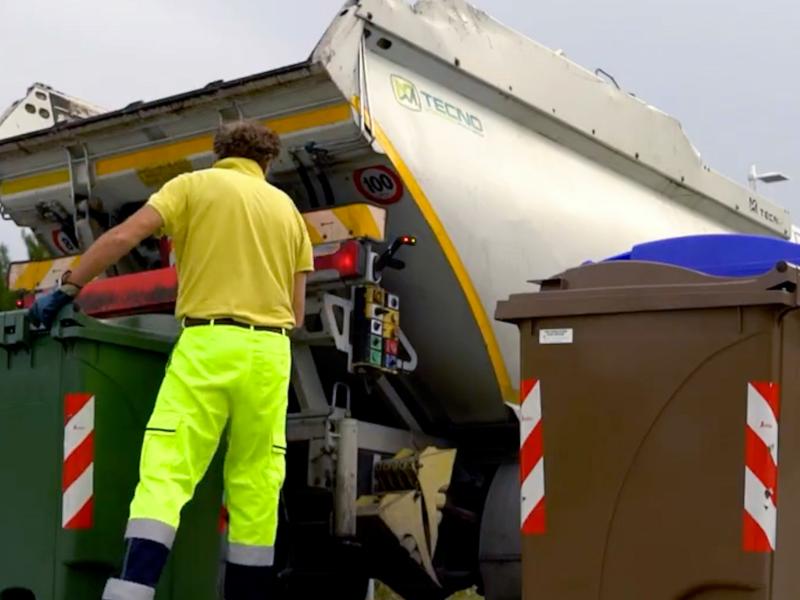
(43, 107)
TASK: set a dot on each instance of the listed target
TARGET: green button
(375, 357)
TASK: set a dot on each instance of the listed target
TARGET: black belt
(192, 322)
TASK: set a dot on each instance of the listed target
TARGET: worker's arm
(106, 251)
(114, 244)
(299, 298)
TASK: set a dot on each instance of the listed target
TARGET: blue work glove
(46, 308)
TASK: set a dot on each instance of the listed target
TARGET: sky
(726, 69)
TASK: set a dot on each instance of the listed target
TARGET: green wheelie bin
(73, 407)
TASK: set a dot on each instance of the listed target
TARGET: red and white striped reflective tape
(531, 458)
(761, 467)
(78, 472)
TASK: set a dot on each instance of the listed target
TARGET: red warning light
(345, 261)
(20, 303)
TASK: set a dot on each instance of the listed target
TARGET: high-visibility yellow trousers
(218, 375)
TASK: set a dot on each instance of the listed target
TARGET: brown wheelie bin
(655, 399)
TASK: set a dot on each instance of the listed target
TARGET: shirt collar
(242, 165)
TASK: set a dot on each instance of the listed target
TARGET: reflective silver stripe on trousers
(117, 589)
(150, 529)
(251, 556)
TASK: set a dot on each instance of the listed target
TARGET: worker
(242, 252)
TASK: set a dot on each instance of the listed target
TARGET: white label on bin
(555, 336)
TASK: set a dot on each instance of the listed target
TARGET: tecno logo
(417, 99)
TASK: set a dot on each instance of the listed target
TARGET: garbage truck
(441, 160)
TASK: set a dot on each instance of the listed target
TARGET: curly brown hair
(247, 139)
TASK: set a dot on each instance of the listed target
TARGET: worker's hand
(46, 308)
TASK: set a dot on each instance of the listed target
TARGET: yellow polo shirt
(238, 243)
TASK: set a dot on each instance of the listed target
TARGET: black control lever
(387, 259)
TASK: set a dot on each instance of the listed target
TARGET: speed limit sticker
(379, 184)
(63, 242)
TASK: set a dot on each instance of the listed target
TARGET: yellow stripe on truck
(168, 153)
(36, 275)
(310, 119)
(28, 277)
(473, 300)
(175, 151)
(361, 221)
(33, 182)
(346, 222)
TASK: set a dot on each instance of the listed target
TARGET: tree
(36, 250)
(7, 297)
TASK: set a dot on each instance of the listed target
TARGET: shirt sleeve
(305, 255)
(170, 202)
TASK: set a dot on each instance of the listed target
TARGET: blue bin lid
(721, 255)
